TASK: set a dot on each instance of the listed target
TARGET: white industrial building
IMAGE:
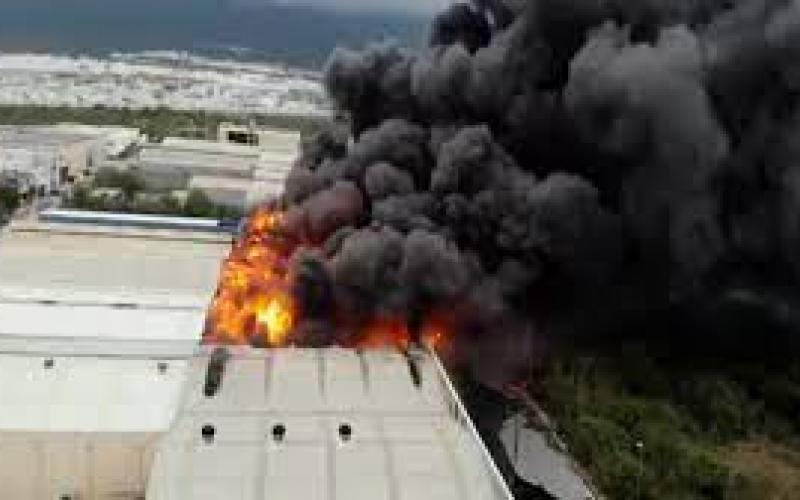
(106, 392)
(172, 164)
(229, 173)
(32, 166)
(284, 424)
(284, 141)
(104, 388)
(45, 158)
(111, 259)
(113, 141)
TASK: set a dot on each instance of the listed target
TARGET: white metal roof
(408, 442)
(203, 146)
(116, 261)
(89, 417)
(89, 395)
(91, 217)
(71, 320)
(220, 182)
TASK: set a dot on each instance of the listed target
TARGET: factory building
(282, 424)
(173, 163)
(113, 141)
(110, 255)
(64, 281)
(108, 394)
(227, 172)
(32, 167)
(284, 141)
(43, 159)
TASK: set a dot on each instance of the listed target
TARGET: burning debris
(538, 165)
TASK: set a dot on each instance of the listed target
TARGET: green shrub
(683, 421)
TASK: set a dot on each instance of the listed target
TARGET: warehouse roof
(85, 394)
(52, 317)
(205, 147)
(220, 182)
(111, 260)
(324, 424)
(284, 424)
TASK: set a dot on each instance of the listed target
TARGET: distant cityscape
(173, 80)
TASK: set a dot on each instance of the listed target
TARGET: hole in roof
(278, 432)
(345, 432)
(208, 432)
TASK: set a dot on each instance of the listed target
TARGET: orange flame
(383, 331)
(254, 305)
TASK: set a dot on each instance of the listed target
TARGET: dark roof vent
(208, 432)
(278, 433)
(215, 372)
(345, 432)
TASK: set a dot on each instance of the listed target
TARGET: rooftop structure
(285, 141)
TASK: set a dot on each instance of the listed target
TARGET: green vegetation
(706, 432)
(197, 204)
(122, 191)
(155, 123)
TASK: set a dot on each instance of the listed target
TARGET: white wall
(40, 165)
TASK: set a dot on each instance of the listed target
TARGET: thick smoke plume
(545, 165)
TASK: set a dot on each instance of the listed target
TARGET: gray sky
(410, 6)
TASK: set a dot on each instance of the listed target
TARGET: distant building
(227, 172)
(112, 140)
(33, 167)
(172, 164)
(285, 141)
(44, 159)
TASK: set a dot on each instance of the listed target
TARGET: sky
(293, 31)
(409, 6)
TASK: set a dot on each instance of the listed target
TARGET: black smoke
(556, 166)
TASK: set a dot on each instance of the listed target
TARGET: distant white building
(228, 172)
(113, 141)
(172, 164)
(285, 141)
(45, 158)
(32, 167)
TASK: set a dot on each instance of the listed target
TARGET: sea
(249, 30)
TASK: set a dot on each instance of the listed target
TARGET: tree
(130, 183)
